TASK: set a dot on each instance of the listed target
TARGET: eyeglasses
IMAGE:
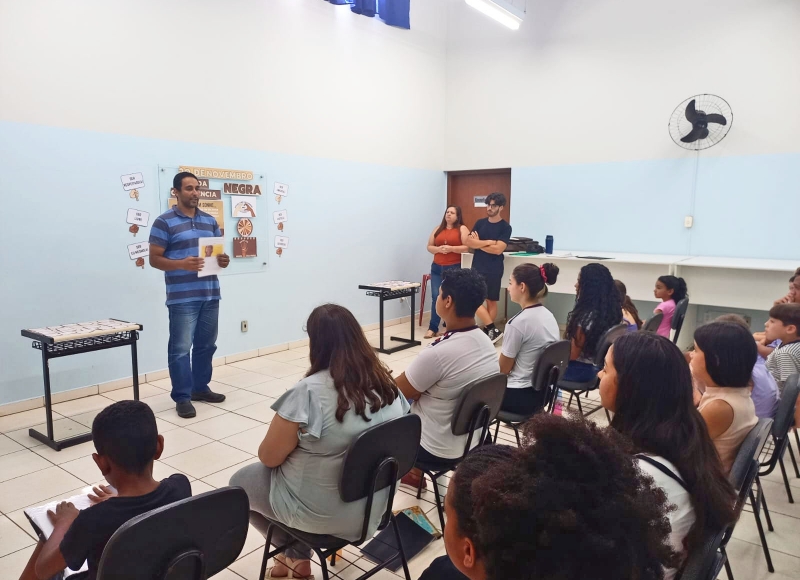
(492, 205)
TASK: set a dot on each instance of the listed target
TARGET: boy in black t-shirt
(489, 239)
(127, 442)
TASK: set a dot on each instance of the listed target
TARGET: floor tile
(83, 405)
(207, 459)
(239, 399)
(145, 390)
(224, 426)
(160, 403)
(272, 388)
(248, 441)
(12, 538)
(24, 420)
(62, 428)
(165, 426)
(747, 562)
(783, 539)
(11, 566)
(181, 440)
(287, 355)
(227, 575)
(260, 411)
(280, 370)
(8, 445)
(225, 371)
(163, 384)
(254, 541)
(199, 487)
(203, 410)
(68, 454)
(222, 478)
(162, 471)
(243, 379)
(84, 468)
(252, 364)
(221, 387)
(86, 419)
(34, 487)
(294, 379)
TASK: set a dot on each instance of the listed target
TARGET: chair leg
(419, 485)
(580, 408)
(438, 502)
(569, 403)
(264, 560)
(323, 564)
(763, 498)
(403, 559)
(607, 415)
(728, 570)
(794, 461)
(496, 430)
(761, 534)
(516, 432)
(785, 480)
(333, 559)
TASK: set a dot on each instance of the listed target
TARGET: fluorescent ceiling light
(501, 10)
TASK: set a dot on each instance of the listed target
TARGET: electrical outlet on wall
(688, 221)
(244, 326)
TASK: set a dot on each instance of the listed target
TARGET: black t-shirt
(92, 529)
(499, 231)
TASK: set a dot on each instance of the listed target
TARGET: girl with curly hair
(570, 504)
(646, 382)
(598, 307)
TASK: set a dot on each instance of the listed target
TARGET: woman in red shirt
(447, 242)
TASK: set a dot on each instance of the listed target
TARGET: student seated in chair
(784, 326)
(346, 391)
(436, 378)
(527, 334)
(127, 442)
(571, 504)
(598, 307)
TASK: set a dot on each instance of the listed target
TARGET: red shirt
(450, 238)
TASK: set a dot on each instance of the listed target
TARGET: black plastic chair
(744, 473)
(653, 322)
(706, 562)
(548, 368)
(677, 318)
(192, 539)
(375, 460)
(577, 389)
(784, 419)
(477, 407)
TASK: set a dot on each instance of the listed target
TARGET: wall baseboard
(125, 382)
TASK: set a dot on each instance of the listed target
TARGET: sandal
(288, 563)
(429, 334)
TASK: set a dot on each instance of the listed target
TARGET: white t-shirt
(526, 335)
(440, 372)
(682, 518)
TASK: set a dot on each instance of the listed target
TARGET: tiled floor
(225, 437)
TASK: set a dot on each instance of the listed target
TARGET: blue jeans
(192, 328)
(437, 272)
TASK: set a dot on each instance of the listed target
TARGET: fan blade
(695, 135)
(715, 118)
(691, 112)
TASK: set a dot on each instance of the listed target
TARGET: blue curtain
(392, 12)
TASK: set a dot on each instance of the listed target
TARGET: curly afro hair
(598, 307)
(570, 504)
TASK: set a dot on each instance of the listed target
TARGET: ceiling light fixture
(501, 10)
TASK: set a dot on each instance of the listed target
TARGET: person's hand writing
(192, 264)
(102, 493)
(223, 260)
(65, 513)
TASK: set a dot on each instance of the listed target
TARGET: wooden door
(464, 186)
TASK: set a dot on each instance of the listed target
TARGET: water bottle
(548, 245)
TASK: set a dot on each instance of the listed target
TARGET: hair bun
(551, 271)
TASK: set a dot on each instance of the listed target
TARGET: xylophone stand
(385, 296)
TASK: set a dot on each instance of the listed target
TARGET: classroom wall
(577, 102)
(297, 90)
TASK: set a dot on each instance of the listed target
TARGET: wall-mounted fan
(700, 122)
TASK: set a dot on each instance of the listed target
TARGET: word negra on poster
(241, 188)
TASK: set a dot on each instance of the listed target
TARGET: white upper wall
(596, 80)
(296, 76)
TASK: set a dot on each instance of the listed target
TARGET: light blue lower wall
(64, 237)
(744, 206)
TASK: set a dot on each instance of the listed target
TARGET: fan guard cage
(679, 126)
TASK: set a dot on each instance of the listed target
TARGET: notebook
(41, 524)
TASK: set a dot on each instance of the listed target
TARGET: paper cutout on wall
(243, 207)
(245, 248)
(134, 229)
(135, 194)
(245, 227)
(140, 218)
(132, 181)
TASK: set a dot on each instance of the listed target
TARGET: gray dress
(303, 492)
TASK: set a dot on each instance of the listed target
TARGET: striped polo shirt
(784, 361)
(178, 235)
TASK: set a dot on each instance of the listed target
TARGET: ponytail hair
(536, 278)
(677, 285)
(627, 304)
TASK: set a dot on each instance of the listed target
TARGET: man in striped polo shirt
(193, 302)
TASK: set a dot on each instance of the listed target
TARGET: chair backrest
(784, 416)
(375, 460)
(606, 341)
(678, 316)
(748, 452)
(549, 367)
(653, 322)
(478, 406)
(703, 563)
(191, 539)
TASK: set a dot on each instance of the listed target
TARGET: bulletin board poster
(218, 187)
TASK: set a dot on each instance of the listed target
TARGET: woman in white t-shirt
(646, 382)
(527, 334)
